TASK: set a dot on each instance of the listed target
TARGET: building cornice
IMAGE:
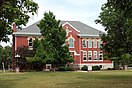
(86, 35)
(26, 34)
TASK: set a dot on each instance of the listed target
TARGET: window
(99, 44)
(71, 43)
(84, 55)
(89, 43)
(95, 55)
(100, 55)
(95, 43)
(84, 43)
(30, 42)
(89, 55)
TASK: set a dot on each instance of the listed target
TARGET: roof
(79, 26)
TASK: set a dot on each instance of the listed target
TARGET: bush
(110, 69)
(95, 68)
(62, 68)
(84, 68)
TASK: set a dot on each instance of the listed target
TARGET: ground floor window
(95, 55)
(84, 55)
(100, 55)
(89, 55)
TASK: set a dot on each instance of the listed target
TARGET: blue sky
(86, 11)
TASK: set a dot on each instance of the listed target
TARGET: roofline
(86, 35)
(25, 33)
(71, 26)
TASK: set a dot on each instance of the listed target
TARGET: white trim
(100, 54)
(15, 43)
(83, 55)
(96, 56)
(85, 43)
(30, 42)
(75, 53)
(91, 43)
(94, 43)
(25, 33)
(73, 41)
(104, 65)
(91, 55)
(67, 31)
(71, 26)
(87, 35)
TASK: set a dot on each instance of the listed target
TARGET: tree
(116, 17)
(24, 52)
(6, 56)
(14, 11)
(53, 41)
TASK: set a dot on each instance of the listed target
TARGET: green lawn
(103, 79)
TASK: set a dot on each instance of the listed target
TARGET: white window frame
(100, 53)
(95, 53)
(89, 55)
(89, 43)
(30, 42)
(71, 43)
(84, 55)
(99, 43)
(84, 43)
(95, 43)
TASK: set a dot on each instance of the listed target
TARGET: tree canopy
(116, 17)
(53, 40)
(14, 11)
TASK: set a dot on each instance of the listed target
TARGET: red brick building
(84, 42)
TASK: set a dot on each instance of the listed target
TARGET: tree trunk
(125, 67)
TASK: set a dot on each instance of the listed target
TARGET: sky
(86, 11)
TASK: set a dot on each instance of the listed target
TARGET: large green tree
(14, 11)
(116, 17)
(53, 41)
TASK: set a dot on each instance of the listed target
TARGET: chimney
(14, 27)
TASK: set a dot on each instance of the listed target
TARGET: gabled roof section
(83, 28)
(30, 29)
(77, 25)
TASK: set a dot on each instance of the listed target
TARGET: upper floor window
(89, 43)
(95, 43)
(95, 55)
(84, 55)
(30, 42)
(99, 43)
(84, 43)
(71, 43)
(89, 55)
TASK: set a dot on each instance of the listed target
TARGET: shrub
(62, 68)
(84, 68)
(110, 69)
(95, 68)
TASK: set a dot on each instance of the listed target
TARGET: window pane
(95, 43)
(84, 43)
(30, 42)
(100, 55)
(71, 43)
(95, 55)
(84, 55)
(99, 44)
(89, 55)
(89, 43)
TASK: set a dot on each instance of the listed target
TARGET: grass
(102, 79)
